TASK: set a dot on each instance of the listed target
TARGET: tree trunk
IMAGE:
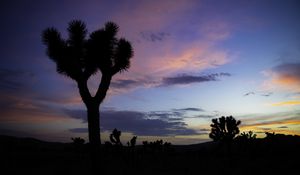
(93, 116)
(93, 124)
(94, 136)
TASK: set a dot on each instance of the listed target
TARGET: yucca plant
(81, 56)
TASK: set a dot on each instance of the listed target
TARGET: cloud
(249, 93)
(79, 130)
(268, 94)
(174, 114)
(27, 84)
(163, 47)
(190, 109)
(22, 109)
(24, 97)
(76, 114)
(189, 79)
(124, 83)
(286, 103)
(283, 127)
(264, 94)
(285, 76)
(14, 79)
(154, 37)
(155, 123)
(274, 125)
(121, 85)
(204, 116)
(275, 122)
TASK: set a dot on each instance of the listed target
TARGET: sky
(194, 60)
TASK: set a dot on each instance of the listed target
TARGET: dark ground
(279, 155)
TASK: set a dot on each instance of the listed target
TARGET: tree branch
(84, 91)
(103, 87)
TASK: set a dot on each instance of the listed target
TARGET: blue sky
(194, 60)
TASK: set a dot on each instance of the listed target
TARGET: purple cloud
(161, 123)
(189, 79)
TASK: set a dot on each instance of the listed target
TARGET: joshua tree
(115, 137)
(79, 57)
(132, 142)
(224, 128)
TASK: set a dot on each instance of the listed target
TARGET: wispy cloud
(283, 127)
(278, 122)
(169, 50)
(268, 94)
(154, 37)
(249, 93)
(264, 94)
(286, 103)
(274, 126)
(13, 80)
(190, 109)
(189, 79)
(21, 109)
(124, 83)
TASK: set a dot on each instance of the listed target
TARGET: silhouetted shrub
(246, 140)
(247, 136)
(157, 145)
(270, 136)
(145, 143)
(115, 137)
(132, 142)
(78, 141)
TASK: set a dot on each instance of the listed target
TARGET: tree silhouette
(224, 128)
(79, 57)
(115, 137)
(132, 142)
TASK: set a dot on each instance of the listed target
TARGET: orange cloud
(196, 58)
(283, 77)
(275, 126)
(286, 103)
(284, 122)
(286, 80)
(22, 109)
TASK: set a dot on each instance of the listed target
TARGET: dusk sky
(194, 60)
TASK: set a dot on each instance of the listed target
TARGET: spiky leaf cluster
(79, 56)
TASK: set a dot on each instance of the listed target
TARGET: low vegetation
(276, 153)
